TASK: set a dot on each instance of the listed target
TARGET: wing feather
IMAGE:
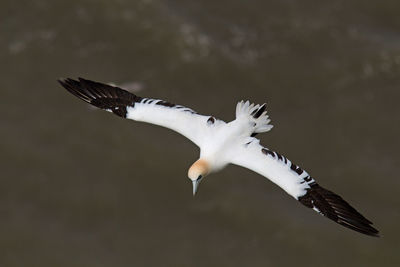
(299, 184)
(127, 105)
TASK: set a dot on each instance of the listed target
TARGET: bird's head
(197, 172)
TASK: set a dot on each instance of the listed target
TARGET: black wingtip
(335, 208)
(61, 81)
(101, 95)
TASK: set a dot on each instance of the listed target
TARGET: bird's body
(224, 143)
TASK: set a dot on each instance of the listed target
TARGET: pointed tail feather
(254, 113)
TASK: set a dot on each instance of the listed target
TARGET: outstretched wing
(299, 184)
(127, 105)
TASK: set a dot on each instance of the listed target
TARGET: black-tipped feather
(335, 208)
(259, 111)
(109, 97)
(101, 95)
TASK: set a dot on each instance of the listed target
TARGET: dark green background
(81, 187)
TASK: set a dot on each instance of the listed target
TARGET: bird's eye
(199, 178)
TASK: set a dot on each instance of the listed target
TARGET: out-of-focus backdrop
(81, 187)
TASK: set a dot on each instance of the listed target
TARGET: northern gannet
(224, 143)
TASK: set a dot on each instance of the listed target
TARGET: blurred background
(81, 187)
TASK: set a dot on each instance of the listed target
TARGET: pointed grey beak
(195, 186)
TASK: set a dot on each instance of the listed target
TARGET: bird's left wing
(299, 184)
(127, 105)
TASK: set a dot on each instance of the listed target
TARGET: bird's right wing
(299, 184)
(127, 105)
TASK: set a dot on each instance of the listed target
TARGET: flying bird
(224, 143)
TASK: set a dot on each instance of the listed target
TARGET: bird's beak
(195, 186)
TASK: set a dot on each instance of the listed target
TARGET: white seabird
(224, 143)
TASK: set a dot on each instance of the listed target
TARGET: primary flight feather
(224, 143)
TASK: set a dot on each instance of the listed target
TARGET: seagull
(223, 143)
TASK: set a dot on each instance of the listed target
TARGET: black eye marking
(211, 120)
(199, 178)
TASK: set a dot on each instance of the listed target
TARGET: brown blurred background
(81, 187)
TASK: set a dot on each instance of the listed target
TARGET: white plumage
(224, 143)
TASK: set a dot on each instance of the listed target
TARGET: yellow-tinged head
(197, 172)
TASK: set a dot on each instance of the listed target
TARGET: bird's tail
(254, 113)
